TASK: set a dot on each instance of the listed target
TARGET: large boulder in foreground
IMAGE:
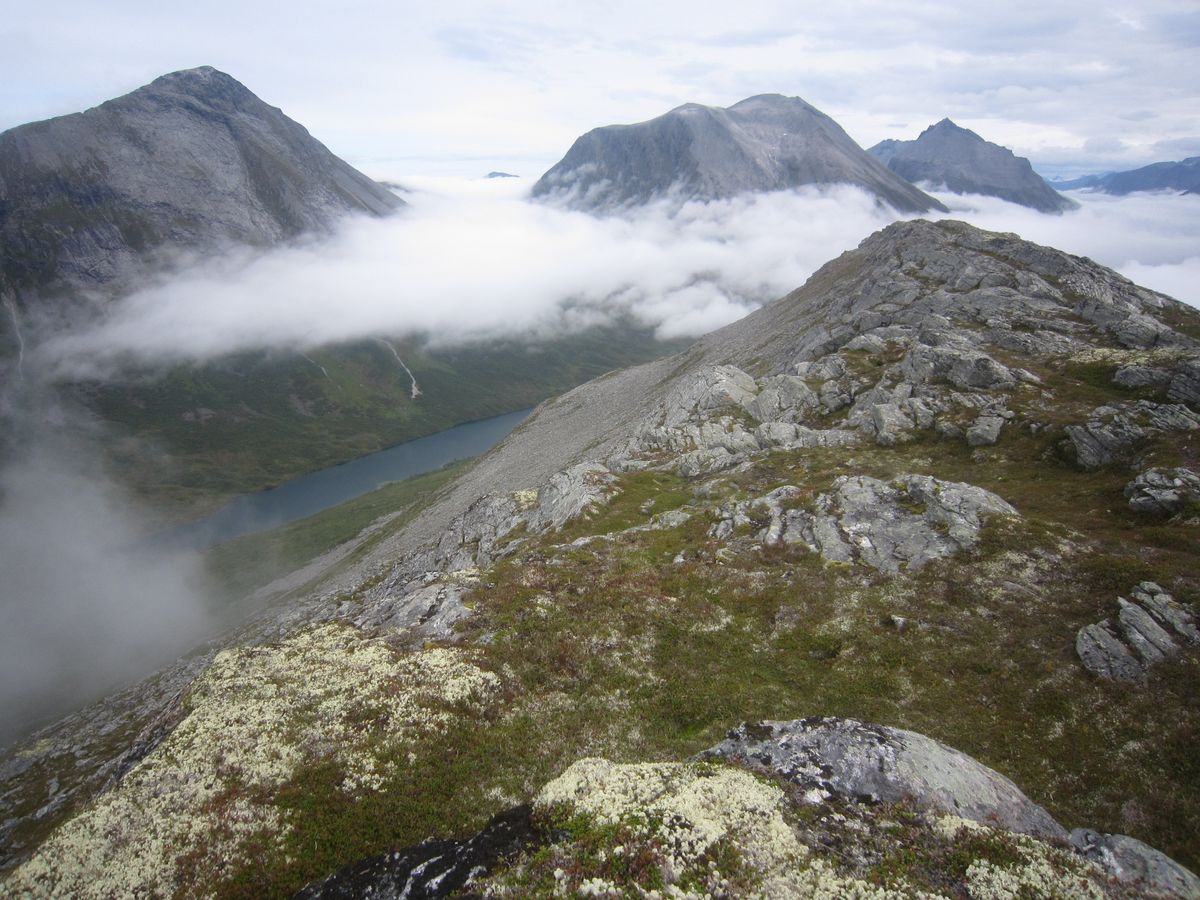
(835, 757)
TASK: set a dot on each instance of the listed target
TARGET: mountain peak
(767, 142)
(192, 160)
(956, 158)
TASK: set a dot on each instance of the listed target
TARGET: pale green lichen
(253, 719)
(685, 811)
(1040, 870)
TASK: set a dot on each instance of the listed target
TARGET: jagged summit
(763, 143)
(946, 154)
(190, 161)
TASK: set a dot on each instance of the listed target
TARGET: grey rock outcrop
(428, 612)
(1164, 491)
(834, 757)
(1150, 628)
(959, 160)
(764, 143)
(1112, 431)
(907, 523)
(191, 162)
(1136, 864)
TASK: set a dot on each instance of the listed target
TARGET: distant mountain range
(192, 161)
(961, 161)
(764, 143)
(1163, 176)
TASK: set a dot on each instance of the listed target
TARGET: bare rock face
(906, 523)
(191, 161)
(1150, 628)
(1163, 491)
(763, 143)
(1113, 430)
(963, 162)
(830, 756)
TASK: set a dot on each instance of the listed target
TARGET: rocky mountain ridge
(961, 161)
(1183, 176)
(898, 491)
(763, 143)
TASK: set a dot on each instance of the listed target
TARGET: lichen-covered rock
(1164, 491)
(1138, 376)
(1148, 630)
(891, 424)
(908, 522)
(828, 756)
(1138, 865)
(429, 612)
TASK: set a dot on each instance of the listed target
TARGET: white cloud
(475, 259)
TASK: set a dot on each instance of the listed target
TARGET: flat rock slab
(829, 756)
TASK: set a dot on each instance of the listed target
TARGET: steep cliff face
(904, 494)
(190, 162)
(963, 162)
(764, 143)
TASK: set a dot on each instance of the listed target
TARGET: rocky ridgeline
(1147, 630)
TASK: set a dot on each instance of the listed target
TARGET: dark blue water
(312, 493)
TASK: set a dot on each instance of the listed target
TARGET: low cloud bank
(475, 260)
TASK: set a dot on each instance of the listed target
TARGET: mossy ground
(616, 649)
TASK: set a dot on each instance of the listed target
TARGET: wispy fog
(474, 259)
(86, 603)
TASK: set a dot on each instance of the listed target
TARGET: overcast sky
(457, 87)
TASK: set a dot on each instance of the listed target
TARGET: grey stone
(568, 494)
(430, 612)
(891, 425)
(1147, 630)
(1141, 376)
(1137, 865)
(834, 757)
(1114, 430)
(985, 431)
(874, 523)
(1103, 653)
(1163, 490)
(1185, 386)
